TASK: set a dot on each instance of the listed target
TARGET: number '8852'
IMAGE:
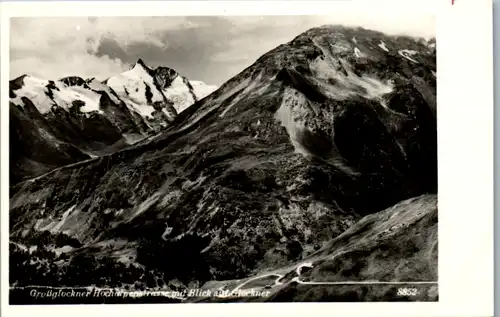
(407, 291)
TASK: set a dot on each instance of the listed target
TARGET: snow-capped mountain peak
(141, 62)
(87, 117)
(45, 94)
(178, 89)
(156, 92)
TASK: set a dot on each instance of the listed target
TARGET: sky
(211, 49)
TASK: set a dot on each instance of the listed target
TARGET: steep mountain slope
(315, 138)
(75, 119)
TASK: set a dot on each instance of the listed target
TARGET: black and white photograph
(223, 159)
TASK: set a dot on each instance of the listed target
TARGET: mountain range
(315, 166)
(59, 122)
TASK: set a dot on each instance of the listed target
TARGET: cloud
(126, 30)
(207, 48)
(83, 65)
(57, 47)
(250, 37)
(387, 21)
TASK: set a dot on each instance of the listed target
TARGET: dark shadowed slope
(268, 170)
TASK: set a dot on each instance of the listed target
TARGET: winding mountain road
(310, 265)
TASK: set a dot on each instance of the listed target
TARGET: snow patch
(189, 185)
(63, 249)
(382, 46)
(54, 226)
(201, 90)
(97, 85)
(178, 92)
(23, 247)
(66, 95)
(182, 97)
(374, 87)
(347, 86)
(170, 198)
(290, 114)
(145, 205)
(59, 225)
(340, 47)
(407, 53)
(167, 232)
(142, 108)
(384, 104)
(357, 52)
